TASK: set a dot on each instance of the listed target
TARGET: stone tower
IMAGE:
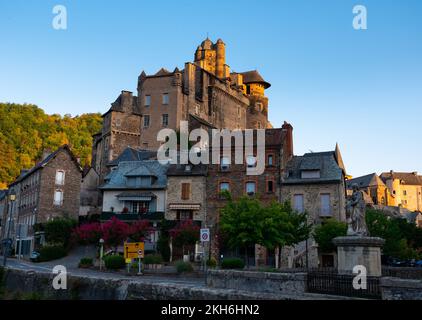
(254, 87)
(212, 58)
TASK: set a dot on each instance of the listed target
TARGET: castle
(205, 93)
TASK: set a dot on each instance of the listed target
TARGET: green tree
(327, 231)
(59, 230)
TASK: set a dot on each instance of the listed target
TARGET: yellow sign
(128, 261)
(134, 250)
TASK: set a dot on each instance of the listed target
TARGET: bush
(153, 259)
(232, 263)
(114, 262)
(59, 230)
(326, 232)
(85, 262)
(182, 267)
(212, 263)
(52, 252)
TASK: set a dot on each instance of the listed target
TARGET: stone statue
(355, 213)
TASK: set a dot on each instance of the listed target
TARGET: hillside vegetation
(26, 130)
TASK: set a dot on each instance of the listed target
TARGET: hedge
(114, 262)
(52, 252)
(182, 267)
(232, 263)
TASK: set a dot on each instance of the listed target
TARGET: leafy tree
(247, 222)
(326, 232)
(25, 131)
(58, 231)
(88, 233)
(402, 239)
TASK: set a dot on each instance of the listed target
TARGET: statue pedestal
(355, 250)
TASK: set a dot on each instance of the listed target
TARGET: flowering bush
(139, 230)
(89, 233)
(115, 232)
(185, 233)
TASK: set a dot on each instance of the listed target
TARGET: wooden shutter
(185, 191)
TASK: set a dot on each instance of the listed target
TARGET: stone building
(233, 177)
(89, 193)
(48, 190)
(3, 199)
(375, 190)
(186, 193)
(406, 189)
(205, 88)
(315, 183)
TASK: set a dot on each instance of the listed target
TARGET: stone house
(375, 190)
(136, 190)
(48, 190)
(406, 189)
(315, 183)
(89, 194)
(3, 199)
(234, 178)
(186, 197)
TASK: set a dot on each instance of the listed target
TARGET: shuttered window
(186, 191)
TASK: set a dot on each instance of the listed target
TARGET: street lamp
(101, 252)
(12, 198)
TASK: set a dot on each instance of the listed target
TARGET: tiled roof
(117, 178)
(410, 178)
(131, 154)
(368, 180)
(325, 162)
(44, 162)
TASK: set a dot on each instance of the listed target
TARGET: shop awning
(185, 206)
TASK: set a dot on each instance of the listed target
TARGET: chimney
(45, 154)
(415, 173)
(288, 140)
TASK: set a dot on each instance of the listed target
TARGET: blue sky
(362, 89)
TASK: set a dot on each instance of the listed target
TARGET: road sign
(132, 250)
(205, 235)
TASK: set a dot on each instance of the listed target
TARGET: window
(186, 191)
(270, 160)
(165, 120)
(59, 177)
(311, 174)
(224, 186)
(258, 125)
(259, 106)
(238, 111)
(197, 109)
(298, 204)
(250, 161)
(58, 198)
(146, 121)
(184, 215)
(270, 186)
(225, 163)
(325, 205)
(140, 207)
(250, 187)
(165, 98)
(404, 192)
(147, 100)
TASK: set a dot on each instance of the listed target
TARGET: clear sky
(362, 89)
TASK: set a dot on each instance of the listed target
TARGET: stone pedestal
(355, 250)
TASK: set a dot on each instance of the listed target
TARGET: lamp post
(12, 198)
(101, 252)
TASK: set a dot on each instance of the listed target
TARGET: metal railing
(330, 282)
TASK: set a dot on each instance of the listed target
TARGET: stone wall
(401, 289)
(270, 282)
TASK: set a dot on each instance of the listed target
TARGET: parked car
(35, 256)
(418, 264)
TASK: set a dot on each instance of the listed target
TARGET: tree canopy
(247, 222)
(327, 231)
(26, 130)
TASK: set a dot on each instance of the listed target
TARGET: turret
(220, 70)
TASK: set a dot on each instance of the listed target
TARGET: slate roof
(330, 171)
(117, 178)
(141, 171)
(131, 154)
(3, 194)
(253, 76)
(409, 178)
(128, 194)
(44, 162)
(118, 106)
(366, 181)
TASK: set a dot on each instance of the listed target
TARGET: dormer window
(311, 174)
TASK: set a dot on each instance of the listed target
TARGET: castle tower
(254, 87)
(220, 64)
(212, 58)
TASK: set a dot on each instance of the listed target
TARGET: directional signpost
(134, 250)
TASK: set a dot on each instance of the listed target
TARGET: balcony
(132, 216)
